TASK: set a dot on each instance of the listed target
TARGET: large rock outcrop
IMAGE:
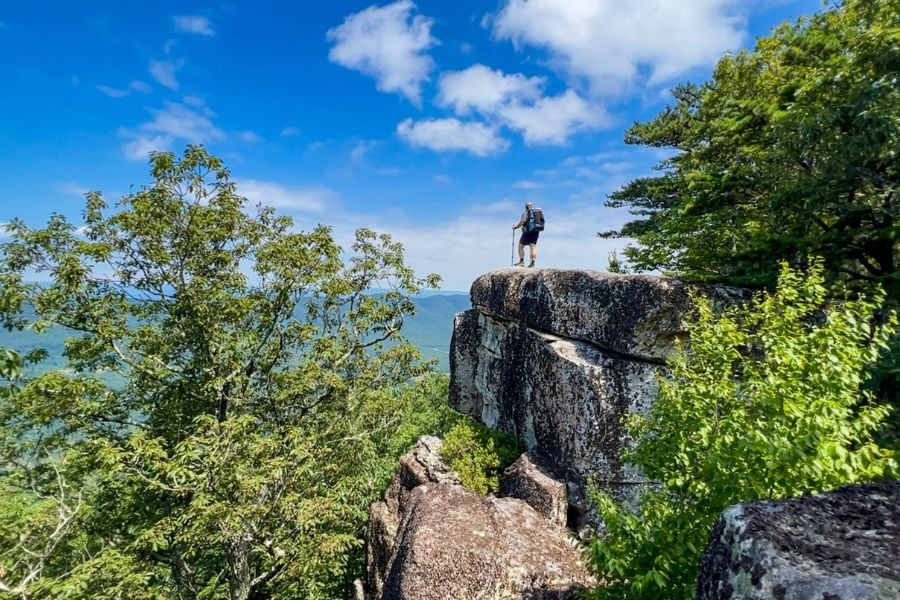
(456, 544)
(423, 464)
(843, 545)
(559, 357)
(430, 538)
(633, 315)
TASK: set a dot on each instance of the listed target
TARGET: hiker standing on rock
(532, 224)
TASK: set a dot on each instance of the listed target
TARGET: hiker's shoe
(521, 263)
(531, 264)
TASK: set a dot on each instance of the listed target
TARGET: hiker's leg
(533, 252)
(521, 251)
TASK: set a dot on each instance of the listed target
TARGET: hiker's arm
(521, 221)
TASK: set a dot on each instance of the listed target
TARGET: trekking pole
(512, 249)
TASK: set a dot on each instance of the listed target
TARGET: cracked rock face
(635, 315)
(559, 357)
(430, 538)
(843, 545)
(456, 544)
(423, 464)
(563, 399)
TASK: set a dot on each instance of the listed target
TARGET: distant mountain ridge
(429, 330)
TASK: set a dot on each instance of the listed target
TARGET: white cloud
(485, 90)
(518, 102)
(134, 86)
(362, 148)
(527, 184)
(251, 137)
(140, 86)
(308, 198)
(441, 178)
(290, 132)
(193, 24)
(113, 92)
(551, 120)
(443, 135)
(193, 125)
(163, 71)
(611, 42)
(388, 43)
(75, 189)
(139, 148)
(189, 124)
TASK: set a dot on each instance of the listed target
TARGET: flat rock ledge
(639, 316)
(432, 539)
(842, 545)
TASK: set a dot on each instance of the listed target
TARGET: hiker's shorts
(529, 237)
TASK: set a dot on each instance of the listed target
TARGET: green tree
(789, 152)
(256, 388)
(763, 403)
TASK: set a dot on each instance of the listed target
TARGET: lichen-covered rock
(456, 544)
(634, 315)
(843, 545)
(563, 399)
(534, 481)
(559, 357)
(421, 465)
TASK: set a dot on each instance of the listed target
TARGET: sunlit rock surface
(535, 481)
(635, 315)
(559, 358)
(430, 538)
(843, 545)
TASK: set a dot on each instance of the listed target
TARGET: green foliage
(238, 450)
(615, 265)
(788, 153)
(764, 403)
(478, 454)
(428, 330)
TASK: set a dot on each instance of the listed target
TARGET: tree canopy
(254, 375)
(790, 152)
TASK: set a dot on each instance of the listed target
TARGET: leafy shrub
(766, 402)
(478, 454)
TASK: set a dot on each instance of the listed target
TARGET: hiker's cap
(529, 205)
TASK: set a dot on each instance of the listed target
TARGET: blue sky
(433, 121)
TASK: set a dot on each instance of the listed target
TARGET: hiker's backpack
(535, 221)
